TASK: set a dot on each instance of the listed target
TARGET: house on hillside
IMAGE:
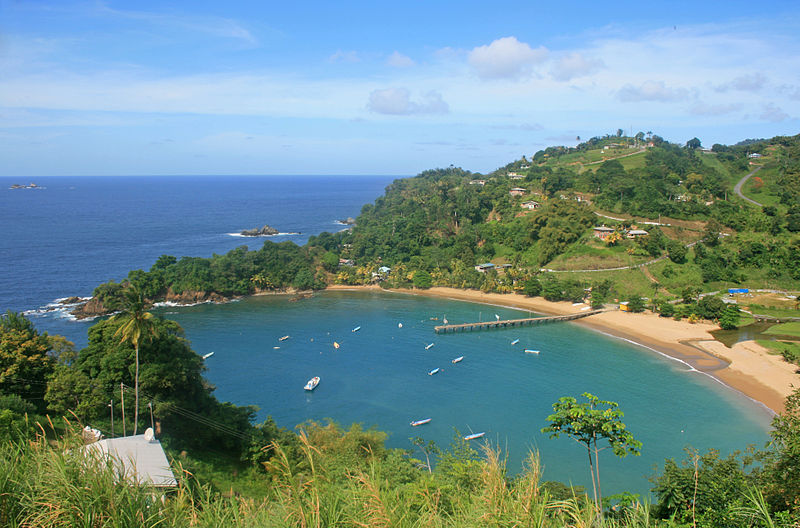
(483, 268)
(636, 233)
(530, 205)
(478, 182)
(603, 232)
(346, 262)
(754, 155)
(517, 191)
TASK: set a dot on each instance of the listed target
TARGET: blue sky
(254, 87)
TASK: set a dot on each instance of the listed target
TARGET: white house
(530, 205)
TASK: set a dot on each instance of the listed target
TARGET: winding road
(738, 187)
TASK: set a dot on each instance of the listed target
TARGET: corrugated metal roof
(142, 461)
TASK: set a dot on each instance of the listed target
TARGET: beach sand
(747, 367)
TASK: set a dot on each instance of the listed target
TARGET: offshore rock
(264, 231)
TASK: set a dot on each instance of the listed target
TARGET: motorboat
(420, 422)
(434, 371)
(284, 338)
(206, 356)
(514, 342)
(428, 346)
(530, 351)
(312, 383)
(473, 436)
(335, 344)
(458, 359)
(356, 329)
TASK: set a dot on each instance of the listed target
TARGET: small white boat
(530, 351)
(444, 319)
(473, 436)
(275, 348)
(206, 356)
(284, 338)
(514, 342)
(420, 422)
(458, 359)
(356, 329)
(335, 344)
(399, 325)
(434, 371)
(312, 383)
(427, 347)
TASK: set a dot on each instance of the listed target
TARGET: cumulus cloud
(744, 83)
(574, 65)
(506, 58)
(714, 110)
(773, 113)
(344, 56)
(397, 101)
(398, 60)
(651, 91)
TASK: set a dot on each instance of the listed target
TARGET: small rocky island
(263, 231)
(348, 221)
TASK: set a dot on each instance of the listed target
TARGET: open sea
(77, 232)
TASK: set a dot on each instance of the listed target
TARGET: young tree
(590, 423)
(137, 326)
(729, 320)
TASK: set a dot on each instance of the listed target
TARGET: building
(636, 233)
(138, 459)
(346, 262)
(478, 182)
(603, 232)
(517, 191)
(754, 155)
(530, 205)
(483, 268)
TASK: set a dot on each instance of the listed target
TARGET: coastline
(747, 367)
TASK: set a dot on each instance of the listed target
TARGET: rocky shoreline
(265, 230)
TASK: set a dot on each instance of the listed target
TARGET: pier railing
(512, 323)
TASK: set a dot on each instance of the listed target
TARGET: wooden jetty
(512, 323)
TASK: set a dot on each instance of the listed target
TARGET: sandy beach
(747, 367)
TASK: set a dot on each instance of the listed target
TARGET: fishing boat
(473, 436)
(356, 329)
(335, 344)
(514, 342)
(420, 422)
(428, 346)
(529, 351)
(206, 356)
(458, 359)
(284, 338)
(312, 383)
(434, 371)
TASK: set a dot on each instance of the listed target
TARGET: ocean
(77, 232)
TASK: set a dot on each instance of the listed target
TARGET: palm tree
(137, 324)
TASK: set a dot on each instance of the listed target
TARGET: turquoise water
(379, 376)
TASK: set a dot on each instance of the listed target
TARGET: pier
(512, 323)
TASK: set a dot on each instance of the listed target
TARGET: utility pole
(152, 426)
(111, 406)
(122, 393)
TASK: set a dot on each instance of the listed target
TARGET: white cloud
(397, 101)
(574, 65)
(745, 83)
(773, 113)
(506, 58)
(398, 60)
(344, 56)
(651, 91)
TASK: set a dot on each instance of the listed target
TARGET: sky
(320, 87)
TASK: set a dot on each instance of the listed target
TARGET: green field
(789, 329)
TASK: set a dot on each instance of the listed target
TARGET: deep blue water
(78, 232)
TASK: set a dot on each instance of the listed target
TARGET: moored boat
(428, 346)
(473, 436)
(356, 329)
(530, 351)
(420, 422)
(312, 383)
(514, 342)
(284, 338)
(458, 359)
(206, 356)
(434, 371)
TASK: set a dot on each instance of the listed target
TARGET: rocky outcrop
(348, 221)
(264, 231)
(194, 297)
(92, 308)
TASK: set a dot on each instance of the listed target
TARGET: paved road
(738, 187)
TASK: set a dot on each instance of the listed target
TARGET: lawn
(789, 329)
